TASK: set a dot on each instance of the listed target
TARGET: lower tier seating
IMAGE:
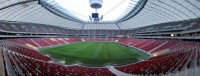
(21, 60)
(174, 60)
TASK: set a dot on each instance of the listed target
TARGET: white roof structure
(161, 11)
(144, 13)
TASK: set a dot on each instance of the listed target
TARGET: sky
(111, 9)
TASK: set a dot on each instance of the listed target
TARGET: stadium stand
(166, 45)
(143, 43)
(169, 62)
(15, 52)
(198, 58)
(152, 45)
(41, 42)
(77, 70)
(100, 39)
(166, 30)
(1, 63)
(21, 60)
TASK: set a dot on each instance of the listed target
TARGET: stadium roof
(111, 9)
(139, 13)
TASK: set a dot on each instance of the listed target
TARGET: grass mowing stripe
(78, 50)
(115, 54)
(83, 52)
(95, 53)
(97, 50)
(89, 54)
(121, 50)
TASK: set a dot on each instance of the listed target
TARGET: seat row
(20, 60)
(176, 59)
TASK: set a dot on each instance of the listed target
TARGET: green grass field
(95, 53)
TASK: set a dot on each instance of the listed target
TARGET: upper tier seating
(31, 28)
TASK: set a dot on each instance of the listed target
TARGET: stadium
(99, 37)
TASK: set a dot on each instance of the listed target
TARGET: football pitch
(95, 53)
